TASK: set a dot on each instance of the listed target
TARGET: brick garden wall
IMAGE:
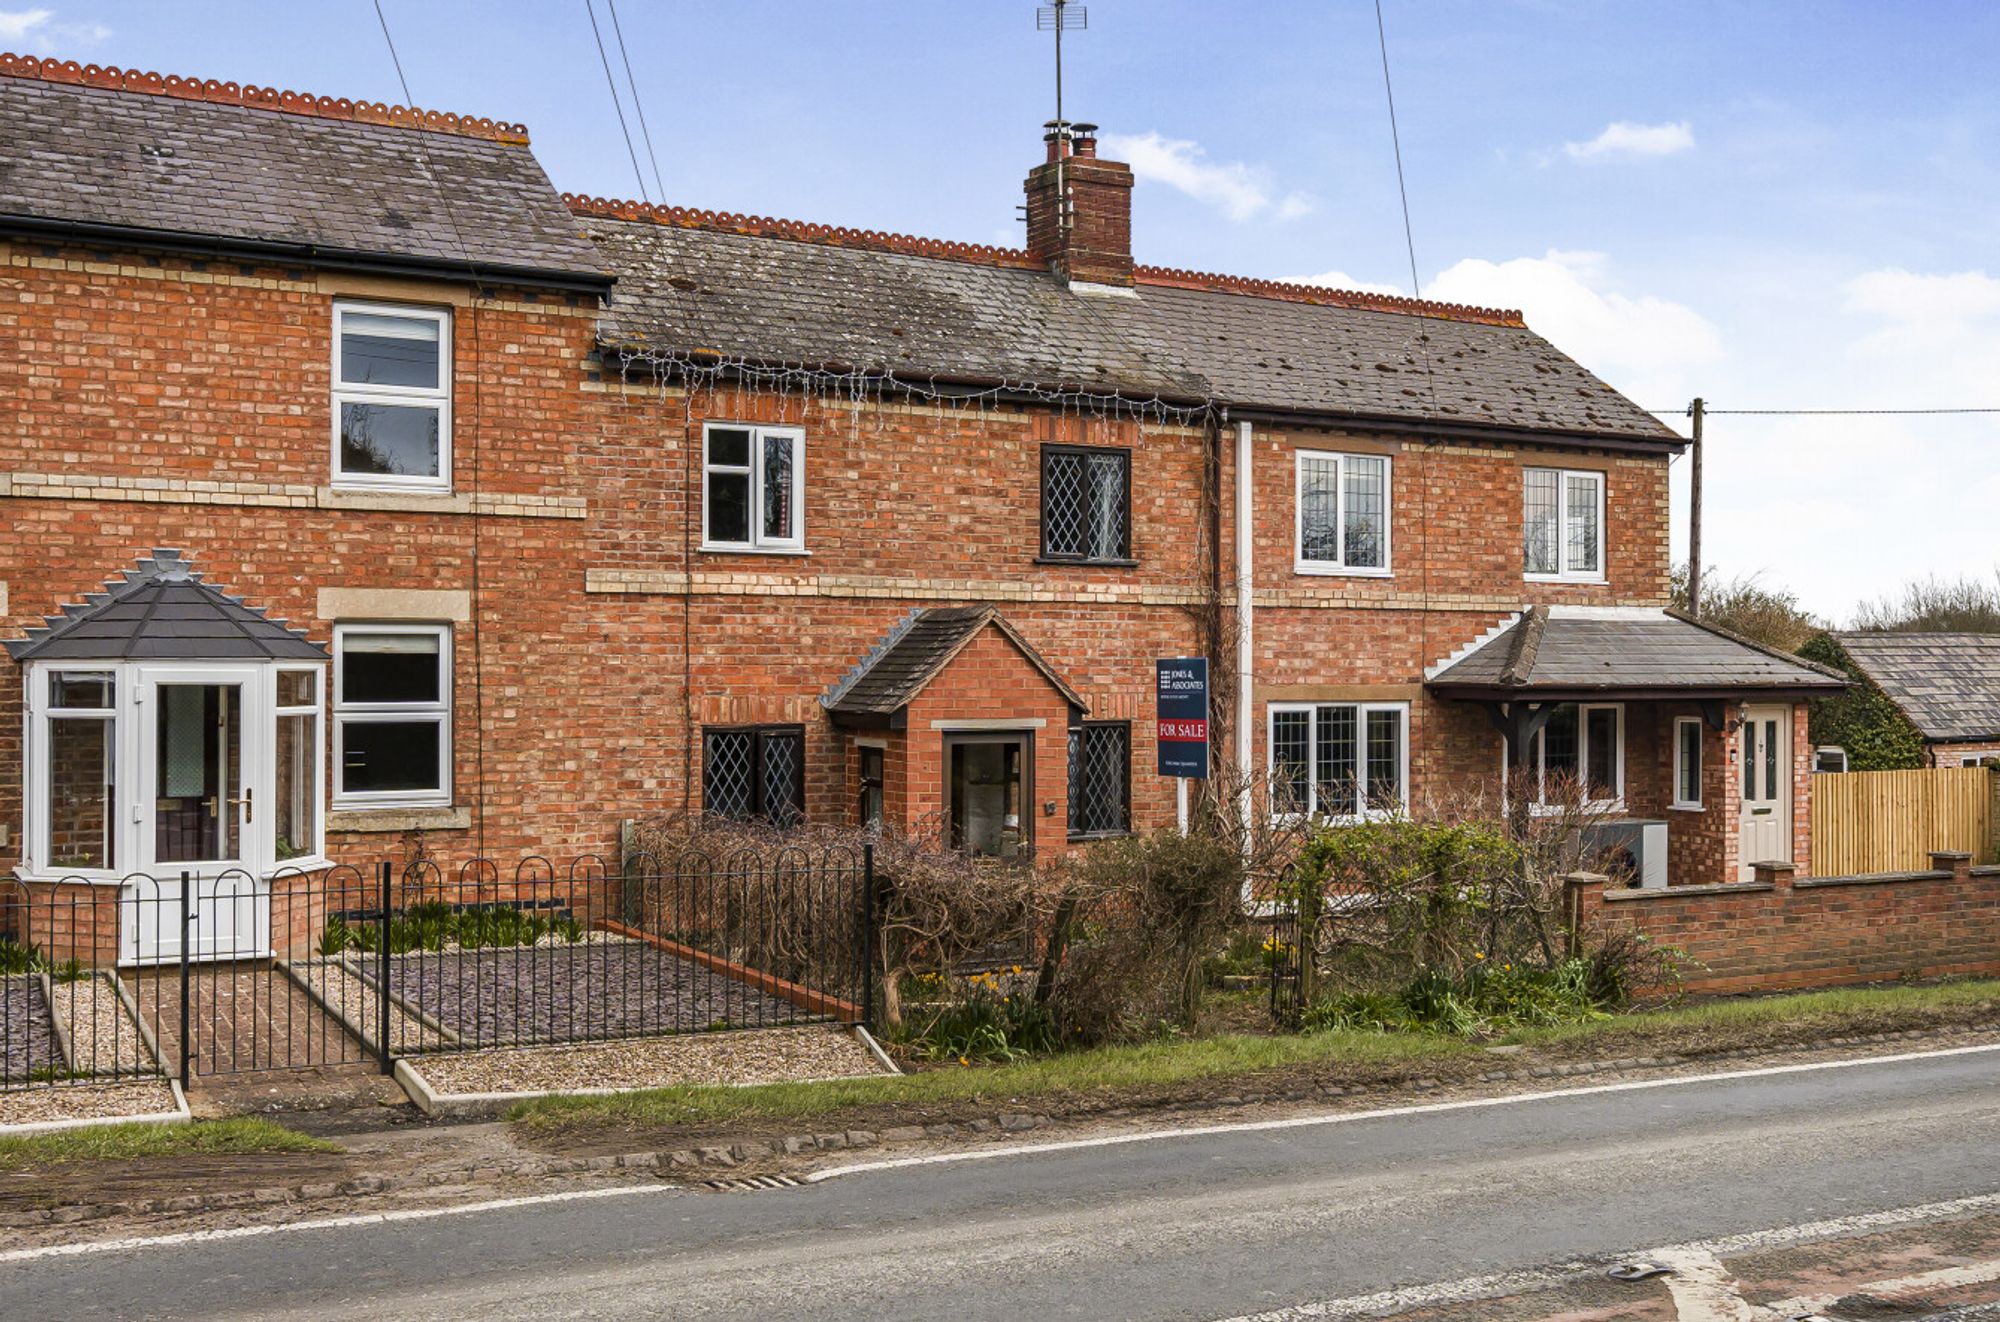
(1786, 932)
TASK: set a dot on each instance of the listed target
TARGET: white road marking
(1471, 1288)
(1384, 1113)
(1702, 1288)
(1945, 1278)
(325, 1223)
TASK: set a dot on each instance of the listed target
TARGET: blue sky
(1769, 205)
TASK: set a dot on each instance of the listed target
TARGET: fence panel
(1890, 821)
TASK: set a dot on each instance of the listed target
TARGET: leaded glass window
(1343, 513)
(1086, 504)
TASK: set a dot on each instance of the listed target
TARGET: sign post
(1180, 701)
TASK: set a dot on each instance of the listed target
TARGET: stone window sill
(389, 820)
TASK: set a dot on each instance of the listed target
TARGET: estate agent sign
(1181, 704)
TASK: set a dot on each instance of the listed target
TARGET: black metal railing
(354, 966)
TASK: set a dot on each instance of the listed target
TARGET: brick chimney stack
(1090, 241)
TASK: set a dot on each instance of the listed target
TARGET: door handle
(249, 808)
(211, 805)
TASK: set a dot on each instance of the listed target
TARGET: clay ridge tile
(253, 97)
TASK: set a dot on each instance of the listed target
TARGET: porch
(1685, 744)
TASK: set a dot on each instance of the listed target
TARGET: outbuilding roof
(1577, 654)
(110, 154)
(1947, 684)
(160, 610)
(915, 651)
(787, 293)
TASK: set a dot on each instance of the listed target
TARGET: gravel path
(354, 999)
(85, 1101)
(584, 991)
(777, 1055)
(26, 1044)
(104, 1039)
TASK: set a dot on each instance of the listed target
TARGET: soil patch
(70, 1182)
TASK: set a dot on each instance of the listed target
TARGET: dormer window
(391, 397)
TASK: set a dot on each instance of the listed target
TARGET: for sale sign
(1180, 702)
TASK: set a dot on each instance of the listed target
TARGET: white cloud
(1899, 295)
(1646, 345)
(1626, 139)
(31, 30)
(1241, 192)
(18, 23)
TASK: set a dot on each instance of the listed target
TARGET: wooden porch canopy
(1548, 657)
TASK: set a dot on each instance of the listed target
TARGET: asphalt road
(1200, 1227)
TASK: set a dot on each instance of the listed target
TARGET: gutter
(1476, 431)
(303, 254)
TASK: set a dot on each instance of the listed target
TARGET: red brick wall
(1817, 932)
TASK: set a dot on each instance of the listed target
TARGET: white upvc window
(1687, 762)
(1829, 758)
(1581, 744)
(753, 488)
(1339, 760)
(1342, 513)
(391, 397)
(1563, 525)
(391, 715)
(157, 767)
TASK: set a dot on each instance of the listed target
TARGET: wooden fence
(1890, 821)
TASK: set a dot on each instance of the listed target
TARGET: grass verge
(1147, 1066)
(242, 1134)
(1168, 1072)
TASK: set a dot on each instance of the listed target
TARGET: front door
(196, 809)
(988, 791)
(1765, 830)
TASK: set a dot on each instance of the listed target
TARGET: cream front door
(1765, 831)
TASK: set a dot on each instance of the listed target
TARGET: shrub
(1140, 917)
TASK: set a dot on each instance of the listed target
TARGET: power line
(618, 31)
(1823, 413)
(616, 104)
(1396, 141)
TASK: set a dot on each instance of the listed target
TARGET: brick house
(1944, 687)
(433, 501)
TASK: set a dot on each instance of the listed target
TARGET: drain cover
(749, 1182)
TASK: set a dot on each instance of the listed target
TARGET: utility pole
(1695, 411)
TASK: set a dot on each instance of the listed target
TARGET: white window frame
(132, 844)
(1565, 573)
(1685, 804)
(759, 544)
(407, 396)
(1340, 567)
(1540, 804)
(1361, 711)
(1822, 751)
(382, 712)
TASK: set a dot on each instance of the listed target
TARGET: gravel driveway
(591, 991)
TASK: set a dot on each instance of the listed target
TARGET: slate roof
(138, 160)
(1948, 684)
(161, 610)
(986, 315)
(1560, 653)
(913, 653)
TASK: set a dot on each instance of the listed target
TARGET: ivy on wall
(1862, 720)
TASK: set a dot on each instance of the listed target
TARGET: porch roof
(1553, 653)
(914, 652)
(160, 610)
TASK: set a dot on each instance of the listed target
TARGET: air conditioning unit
(1631, 852)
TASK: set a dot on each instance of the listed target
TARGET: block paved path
(243, 1016)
